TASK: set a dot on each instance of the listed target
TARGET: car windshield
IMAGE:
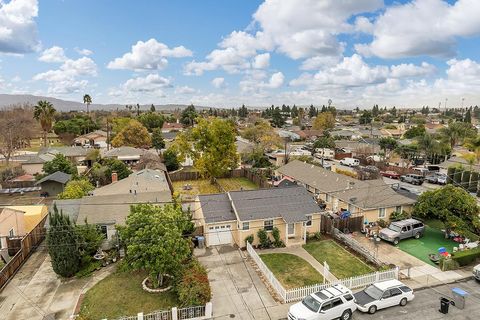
(311, 303)
(394, 227)
(374, 292)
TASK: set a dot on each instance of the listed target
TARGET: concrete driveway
(37, 293)
(237, 291)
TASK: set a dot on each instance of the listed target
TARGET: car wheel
(372, 309)
(403, 302)
(346, 315)
(396, 241)
(418, 235)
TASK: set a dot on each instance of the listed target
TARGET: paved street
(426, 305)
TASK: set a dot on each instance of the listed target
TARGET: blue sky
(226, 53)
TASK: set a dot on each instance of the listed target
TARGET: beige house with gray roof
(372, 199)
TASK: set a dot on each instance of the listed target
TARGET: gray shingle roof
(291, 203)
(216, 208)
(363, 194)
(74, 151)
(58, 176)
(70, 207)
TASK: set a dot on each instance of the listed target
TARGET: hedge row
(466, 257)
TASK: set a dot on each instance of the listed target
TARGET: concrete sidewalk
(302, 253)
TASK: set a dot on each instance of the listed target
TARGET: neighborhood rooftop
(58, 176)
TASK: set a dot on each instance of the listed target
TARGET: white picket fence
(297, 294)
(276, 285)
(189, 313)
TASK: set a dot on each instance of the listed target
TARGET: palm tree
(43, 112)
(87, 100)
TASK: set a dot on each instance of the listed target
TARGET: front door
(291, 229)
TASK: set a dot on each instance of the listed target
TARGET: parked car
(351, 162)
(412, 178)
(330, 303)
(403, 229)
(476, 272)
(383, 295)
(390, 174)
(437, 178)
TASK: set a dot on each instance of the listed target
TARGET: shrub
(466, 257)
(395, 216)
(88, 265)
(317, 235)
(249, 239)
(448, 264)
(347, 173)
(382, 223)
(264, 240)
(277, 242)
(193, 289)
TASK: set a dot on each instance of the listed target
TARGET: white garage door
(219, 235)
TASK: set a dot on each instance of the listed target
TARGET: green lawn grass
(291, 270)
(429, 243)
(121, 294)
(234, 184)
(342, 263)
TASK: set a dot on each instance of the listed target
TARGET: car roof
(406, 221)
(331, 292)
(388, 284)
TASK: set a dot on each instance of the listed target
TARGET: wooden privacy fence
(259, 180)
(328, 224)
(29, 243)
(298, 294)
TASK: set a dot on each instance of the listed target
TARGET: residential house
(171, 126)
(229, 218)
(244, 146)
(32, 163)
(433, 128)
(129, 155)
(345, 134)
(23, 181)
(95, 138)
(309, 135)
(74, 153)
(358, 148)
(54, 183)
(109, 205)
(372, 199)
(17, 221)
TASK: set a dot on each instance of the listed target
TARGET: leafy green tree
(262, 134)
(114, 165)
(387, 143)
(153, 236)
(324, 142)
(457, 131)
(171, 160)
(452, 205)
(89, 238)
(152, 108)
(468, 116)
(366, 117)
(312, 111)
(416, 131)
(211, 146)
(243, 112)
(151, 120)
(278, 120)
(76, 189)
(157, 139)
(194, 288)
(133, 135)
(59, 163)
(257, 159)
(62, 244)
(78, 125)
(44, 113)
(188, 115)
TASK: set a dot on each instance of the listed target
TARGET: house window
(398, 209)
(381, 213)
(11, 233)
(103, 230)
(268, 225)
(309, 221)
(246, 226)
(351, 208)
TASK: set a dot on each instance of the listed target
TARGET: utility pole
(108, 134)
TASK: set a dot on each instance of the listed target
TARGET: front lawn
(121, 294)
(429, 243)
(342, 263)
(291, 270)
(235, 184)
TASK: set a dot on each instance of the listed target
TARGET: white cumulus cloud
(18, 30)
(262, 61)
(218, 82)
(149, 55)
(53, 54)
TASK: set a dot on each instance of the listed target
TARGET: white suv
(330, 303)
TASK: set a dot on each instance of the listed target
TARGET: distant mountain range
(65, 105)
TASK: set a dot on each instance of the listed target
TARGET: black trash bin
(444, 305)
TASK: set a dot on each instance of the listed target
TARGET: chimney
(114, 177)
